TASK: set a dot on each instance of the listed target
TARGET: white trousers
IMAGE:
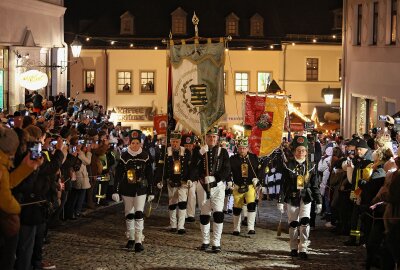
(134, 227)
(176, 195)
(299, 235)
(214, 204)
(191, 201)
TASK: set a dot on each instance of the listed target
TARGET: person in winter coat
(9, 206)
(324, 167)
(82, 182)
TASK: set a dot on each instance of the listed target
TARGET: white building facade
(108, 71)
(31, 37)
(371, 49)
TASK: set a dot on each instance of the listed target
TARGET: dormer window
(127, 24)
(232, 25)
(257, 25)
(337, 19)
(179, 21)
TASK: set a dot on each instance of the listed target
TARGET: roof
(153, 18)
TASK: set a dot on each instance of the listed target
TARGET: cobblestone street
(97, 241)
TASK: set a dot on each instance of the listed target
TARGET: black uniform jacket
(218, 165)
(252, 169)
(165, 167)
(142, 169)
(289, 192)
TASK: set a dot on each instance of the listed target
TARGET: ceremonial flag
(266, 116)
(160, 123)
(198, 85)
(170, 110)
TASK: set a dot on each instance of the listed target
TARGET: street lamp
(328, 96)
(76, 47)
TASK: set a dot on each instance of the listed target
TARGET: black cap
(362, 144)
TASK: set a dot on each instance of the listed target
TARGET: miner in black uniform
(211, 169)
(188, 143)
(299, 189)
(244, 168)
(174, 167)
(134, 181)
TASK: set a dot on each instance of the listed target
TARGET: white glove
(280, 207)
(209, 179)
(255, 181)
(189, 183)
(204, 149)
(150, 198)
(160, 185)
(115, 197)
(229, 185)
(318, 208)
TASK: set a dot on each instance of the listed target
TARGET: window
(89, 81)
(179, 26)
(312, 69)
(263, 80)
(393, 24)
(225, 82)
(178, 21)
(124, 81)
(375, 24)
(232, 24)
(3, 78)
(338, 19)
(256, 25)
(232, 27)
(241, 81)
(127, 27)
(147, 82)
(359, 24)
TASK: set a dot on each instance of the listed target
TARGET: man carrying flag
(211, 169)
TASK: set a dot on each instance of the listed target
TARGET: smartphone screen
(36, 151)
(53, 143)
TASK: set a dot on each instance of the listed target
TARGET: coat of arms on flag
(197, 85)
(265, 118)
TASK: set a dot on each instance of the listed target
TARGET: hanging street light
(328, 96)
(76, 47)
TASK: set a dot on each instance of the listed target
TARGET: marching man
(211, 170)
(134, 181)
(244, 166)
(188, 143)
(299, 189)
(174, 167)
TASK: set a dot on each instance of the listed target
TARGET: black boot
(139, 247)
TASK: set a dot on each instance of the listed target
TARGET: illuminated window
(89, 81)
(124, 81)
(241, 81)
(393, 22)
(263, 80)
(147, 82)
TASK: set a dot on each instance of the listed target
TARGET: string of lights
(273, 43)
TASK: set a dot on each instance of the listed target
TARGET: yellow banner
(272, 124)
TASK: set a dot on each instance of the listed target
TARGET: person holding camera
(9, 206)
(299, 189)
(134, 182)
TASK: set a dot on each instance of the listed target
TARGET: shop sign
(133, 114)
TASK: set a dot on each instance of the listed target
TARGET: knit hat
(299, 141)
(8, 140)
